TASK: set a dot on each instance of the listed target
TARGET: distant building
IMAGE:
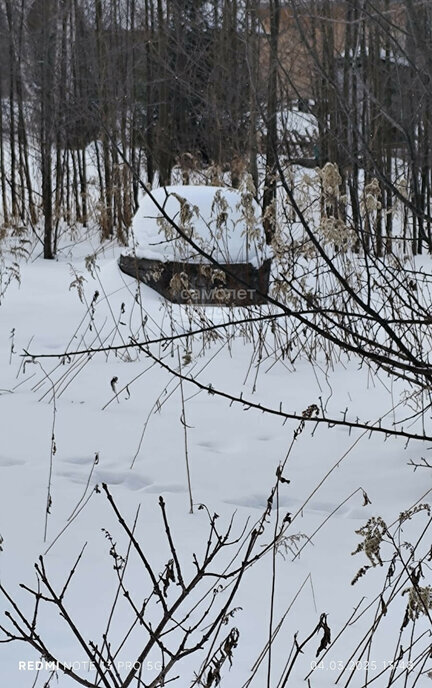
(319, 75)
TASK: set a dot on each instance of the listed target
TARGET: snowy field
(127, 411)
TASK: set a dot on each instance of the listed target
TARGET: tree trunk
(269, 197)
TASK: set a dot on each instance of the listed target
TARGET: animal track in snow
(130, 479)
(7, 463)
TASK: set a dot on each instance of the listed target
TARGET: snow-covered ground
(102, 404)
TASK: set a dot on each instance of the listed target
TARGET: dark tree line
(86, 85)
(91, 91)
(370, 66)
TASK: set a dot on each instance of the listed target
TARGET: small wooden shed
(224, 223)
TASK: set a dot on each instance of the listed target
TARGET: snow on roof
(392, 56)
(223, 222)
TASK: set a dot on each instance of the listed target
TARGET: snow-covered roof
(392, 56)
(223, 222)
